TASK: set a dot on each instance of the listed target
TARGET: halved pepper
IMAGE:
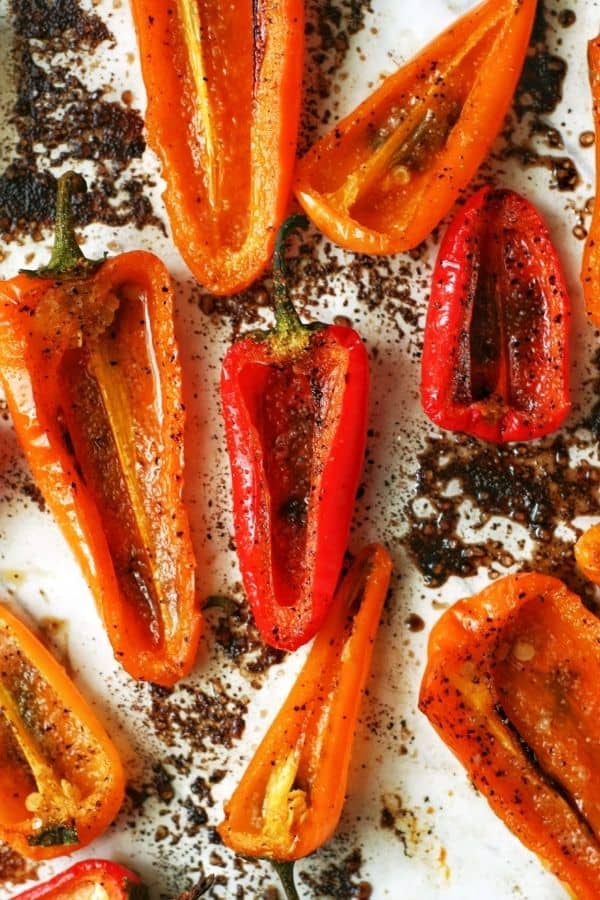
(92, 879)
(224, 82)
(295, 406)
(512, 686)
(290, 798)
(389, 172)
(89, 365)
(496, 346)
(61, 780)
(590, 270)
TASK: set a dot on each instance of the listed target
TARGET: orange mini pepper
(512, 686)
(89, 365)
(389, 172)
(61, 780)
(224, 83)
(290, 798)
(590, 271)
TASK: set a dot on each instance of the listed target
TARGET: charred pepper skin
(90, 369)
(496, 356)
(61, 779)
(388, 173)
(590, 269)
(294, 403)
(230, 75)
(511, 686)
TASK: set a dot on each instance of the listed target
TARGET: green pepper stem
(66, 259)
(287, 319)
(285, 870)
(66, 252)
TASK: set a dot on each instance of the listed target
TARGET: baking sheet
(412, 826)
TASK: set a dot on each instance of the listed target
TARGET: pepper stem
(285, 870)
(286, 318)
(66, 259)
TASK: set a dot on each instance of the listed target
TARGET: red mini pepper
(496, 345)
(97, 878)
(295, 408)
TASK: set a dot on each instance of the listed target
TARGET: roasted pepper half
(496, 347)
(295, 407)
(590, 271)
(61, 780)
(224, 82)
(290, 798)
(92, 879)
(89, 365)
(389, 172)
(512, 686)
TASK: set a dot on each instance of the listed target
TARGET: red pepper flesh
(92, 879)
(496, 346)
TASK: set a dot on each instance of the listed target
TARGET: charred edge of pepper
(550, 781)
(358, 590)
(259, 41)
(66, 260)
(135, 890)
(56, 836)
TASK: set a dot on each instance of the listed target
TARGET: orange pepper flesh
(92, 380)
(511, 686)
(223, 81)
(587, 553)
(387, 174)
(590, 269)
(61, 780)
(290, 798)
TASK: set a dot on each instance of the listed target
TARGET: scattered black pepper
(533, 485)
(61, 20)
(55, 111)
(538, 94)
(340, 881)
(329, 27)
(202, 717)
(238, 637)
